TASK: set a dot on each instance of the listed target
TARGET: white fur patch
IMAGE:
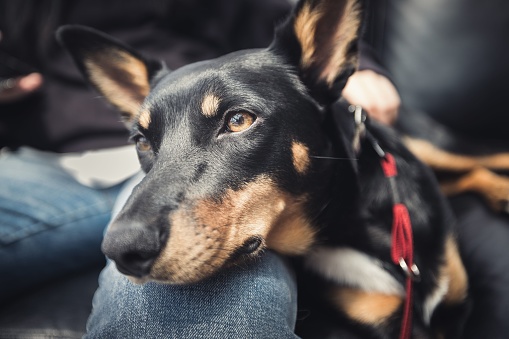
(355, 269)
(435, 298)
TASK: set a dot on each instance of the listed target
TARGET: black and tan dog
(248, 152)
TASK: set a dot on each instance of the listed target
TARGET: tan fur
(107, 71)
(292, 234)
(441, 160)
(493, 187)
(144, 119)
(305, 27)
(458, 280)
(210, 105)
(300, 155)
(204, 235)
(325, 39)
(368, 308)
(474, 172)
(345, 33)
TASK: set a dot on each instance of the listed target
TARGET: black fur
(193, 157)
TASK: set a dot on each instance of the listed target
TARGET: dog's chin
(137, 280)
(184, 278)
(164, 281)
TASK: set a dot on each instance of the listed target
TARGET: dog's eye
(142, 144)
(239, 121)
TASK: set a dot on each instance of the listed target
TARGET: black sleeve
(370, 60)
(228, 25)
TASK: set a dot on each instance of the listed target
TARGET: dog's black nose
(133, 246)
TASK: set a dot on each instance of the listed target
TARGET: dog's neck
(341, 194)
(351, 170)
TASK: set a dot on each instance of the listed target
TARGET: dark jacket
(66, 115)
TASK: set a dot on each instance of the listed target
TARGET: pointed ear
(320, 38)
(114, 69)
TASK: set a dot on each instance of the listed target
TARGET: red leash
(402, 251)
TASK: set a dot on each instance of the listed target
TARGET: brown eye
(142, 144)
(238, 122)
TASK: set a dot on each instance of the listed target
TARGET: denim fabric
(50, 225)
(255, 300)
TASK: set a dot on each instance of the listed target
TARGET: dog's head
(228, 145)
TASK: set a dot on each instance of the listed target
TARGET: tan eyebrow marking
(144, 119)
(210, 105)
(300, 154)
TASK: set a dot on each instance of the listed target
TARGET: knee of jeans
(252, 301)
(274, 279)
(269, 295)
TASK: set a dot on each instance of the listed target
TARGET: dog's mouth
(197, 249)
(199, 239)
(195, 267)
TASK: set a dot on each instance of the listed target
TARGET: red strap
(389, 165)
(402, 245)
(402, 248)
(406, 323)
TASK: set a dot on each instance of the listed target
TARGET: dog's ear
(114, 69)
(320, 38)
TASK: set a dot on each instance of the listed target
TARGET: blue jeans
(256, 300)
(50, 225)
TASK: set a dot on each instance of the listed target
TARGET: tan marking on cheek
(458, 279)
(210, 105)
(292, 234)
(204, 236)
(122, 79)
(364, 307)
(144, 119)
(261, 209)
(249, 211)
(300, 155)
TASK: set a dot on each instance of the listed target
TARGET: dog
(252, 151)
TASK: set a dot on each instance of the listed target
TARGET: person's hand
(375, 93)
(17, 88)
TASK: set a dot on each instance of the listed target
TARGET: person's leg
(257, 300)
(483, 237)
(50, 225)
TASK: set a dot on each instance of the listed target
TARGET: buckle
(411, 272)
(359, 117)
